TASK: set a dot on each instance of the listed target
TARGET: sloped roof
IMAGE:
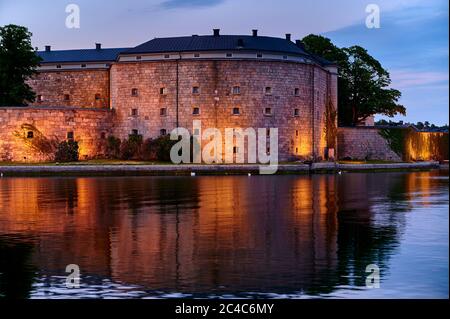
(217, 43)
(244, 43)
(83, 55)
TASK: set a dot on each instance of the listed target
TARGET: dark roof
(243, 43)
(220, 43)
(84, 55)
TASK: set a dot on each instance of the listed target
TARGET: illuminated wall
(426, 146)
(26, 131)
(360, 143)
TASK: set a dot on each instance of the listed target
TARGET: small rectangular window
(163, 132)
(296, 132)
(58, 66)
(195, 90)
(236, 111)
(296, 150)
(40, 98)
(229, 55)
(259, 55)
(166, 56)
(134, 132)
(268, 132)
(134, 112)
(163, 111)
(162, 91)
(296, 112)
(66, 97)
(196, 55)
(296, 91)
(138, 57)
(30, 134)
(285, 57)
(134, 92)
(70, 135)
(268, 150)
(83, 65)
(235, 150)
(268, 111)
(236, 90)
(268, 90)
(196, 111)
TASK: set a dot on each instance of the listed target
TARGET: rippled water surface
(227, 236)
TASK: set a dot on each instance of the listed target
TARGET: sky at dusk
(412, 41)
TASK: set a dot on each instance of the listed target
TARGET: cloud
(171, 4)
(408, 79)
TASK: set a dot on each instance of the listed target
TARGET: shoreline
(204, 169)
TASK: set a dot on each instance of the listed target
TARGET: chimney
(48, 48)
(299, 44)
(255, 32)
(98, 46)
(288, 36)
(216, 32)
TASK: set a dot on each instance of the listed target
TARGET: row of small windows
(66, 97)
(70, 135)
(196, 111)
(198, 55)
(59, 66)
(236, 90)
(196, 90)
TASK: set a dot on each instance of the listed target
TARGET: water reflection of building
(210, 234)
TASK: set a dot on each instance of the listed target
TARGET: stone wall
(89, 127)
(423, 146)
(137, 102)
(360, 143)
(83, 88)
(215, 81)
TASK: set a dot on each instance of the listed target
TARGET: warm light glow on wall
(426, 146)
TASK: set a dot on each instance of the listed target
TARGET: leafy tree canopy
(18, 62)
(363, 84)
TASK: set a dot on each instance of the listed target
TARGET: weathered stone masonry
(151, 89)
(215, 81)
(366, 143)
(88, 127)
(74, 88)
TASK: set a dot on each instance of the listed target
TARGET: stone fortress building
(226, 81)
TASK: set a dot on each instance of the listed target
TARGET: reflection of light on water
(216, 237)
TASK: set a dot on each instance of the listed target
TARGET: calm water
(260, 236)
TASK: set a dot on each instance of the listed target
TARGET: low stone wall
(364, 143)
(28, 134)
(424, 146)
(361, 143)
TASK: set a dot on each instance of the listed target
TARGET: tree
(363, 84)
(18, 62)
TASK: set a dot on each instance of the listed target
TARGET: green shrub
(131, 148)
(163, 146)
(395, 138)
(148, 150)
(67, 152)
(113, 147)
(157, 149)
